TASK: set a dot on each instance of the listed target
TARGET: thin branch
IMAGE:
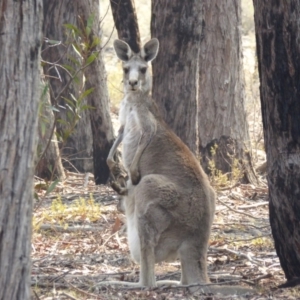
(253, 238)
(237, 211)
(83, 292)
(237, 253)
(254, 205)
(68, 296)
(69, 228)
(108, 38)
(56, 65)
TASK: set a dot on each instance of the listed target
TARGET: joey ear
(150, 50)
(123, 50)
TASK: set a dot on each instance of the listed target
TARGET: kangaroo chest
(129, 119)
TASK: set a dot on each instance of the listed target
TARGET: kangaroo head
(136, 75)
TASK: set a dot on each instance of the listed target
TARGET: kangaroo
(136, 96)
(170, 203)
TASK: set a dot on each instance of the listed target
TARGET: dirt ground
(79, 237)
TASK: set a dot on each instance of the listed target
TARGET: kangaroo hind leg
(153, 221)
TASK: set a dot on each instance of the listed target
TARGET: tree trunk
(177, 25)
(126, 23)
(48, 161)
(20, 40)
(102, 129)
(77, 150)
(223, 128)
(277, 35)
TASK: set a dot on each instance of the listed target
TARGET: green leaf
(89, 24)
(69, 68)
(50, 168)
(43, 128)
(77, 50)
(70, 109)
(91, 58)
(66, 134)
(96, 42)
(74, 60)
(61, 121)
(86, 93)
(45, 90)
(40, 186)
(53, 42)
(52, 187)
(53, 108)
(58, 136)
(73, 28)
(85, 107)
(76, 80)
(70, 102)
(36, 196)
(70, 115)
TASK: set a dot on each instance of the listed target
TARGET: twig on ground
(265, 276)
(69, 296)
(237, 253)
(254, 205)
(241, 224)
(180, 286)
(83, 292)
(108, 239)
(36, 295)
(69, 228)
(237, 211)
(169, 275)
(253, 238)
(51, 278)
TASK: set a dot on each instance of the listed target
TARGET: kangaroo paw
(135, 177)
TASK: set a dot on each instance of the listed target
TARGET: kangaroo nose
(133, 82)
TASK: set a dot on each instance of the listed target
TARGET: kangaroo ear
(123, 50)
(150, 50)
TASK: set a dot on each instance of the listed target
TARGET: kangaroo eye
(143, 70)
(126, 70)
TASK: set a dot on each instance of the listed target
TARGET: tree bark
(102, 129)
(20, 40)
(222, 117)
(177, 25)
(125, 19)
(277, 35)
(48, 161)
(77, 150)
(94, 132)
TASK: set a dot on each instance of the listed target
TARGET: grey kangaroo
(169, 202)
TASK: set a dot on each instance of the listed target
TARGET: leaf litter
(79, 239)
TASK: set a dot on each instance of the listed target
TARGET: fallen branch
(241, 224)
(254, 205)
(253, 238)
(262, 277)
(84, 292)
(67, 295)
(237, 211)
(52, 278)
(69, 228)
(237, 253)
(177, 286)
